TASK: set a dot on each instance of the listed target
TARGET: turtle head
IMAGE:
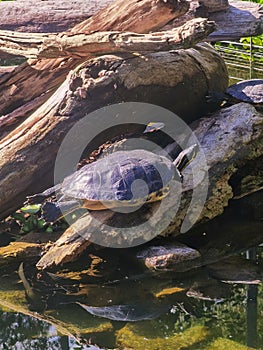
(153, 126)
(185, 157)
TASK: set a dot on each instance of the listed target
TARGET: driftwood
(93, 85)
(34, 45)
(46, 16)
(241, 19)
(230, 138)
(27, 82)
(50, 16)
(214, 5)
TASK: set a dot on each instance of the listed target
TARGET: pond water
(190, 310)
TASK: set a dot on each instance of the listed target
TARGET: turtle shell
(250, 91)
(121, 176)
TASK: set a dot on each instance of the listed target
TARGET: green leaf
(31, 209)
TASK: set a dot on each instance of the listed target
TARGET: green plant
(28, 218)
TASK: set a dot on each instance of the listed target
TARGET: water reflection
(210, 310)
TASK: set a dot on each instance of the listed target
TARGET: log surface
(46, 16)
(240, 19)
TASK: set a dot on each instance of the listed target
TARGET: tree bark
(97, 83)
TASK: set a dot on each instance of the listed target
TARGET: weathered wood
(90, 87)
(137, 16)
(18, 251)
(215, 5)
(34, 45)
(33, 78)
(240, 19)
(229, 138)
(46, 16)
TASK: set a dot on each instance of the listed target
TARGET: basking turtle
(150, 132)
(122, 179)
(250, 91)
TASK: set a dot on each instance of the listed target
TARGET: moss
(131, 337)
(16, 297)
(227, 344)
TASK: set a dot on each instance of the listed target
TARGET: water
(197, 311)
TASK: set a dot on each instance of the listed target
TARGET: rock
(177, 257)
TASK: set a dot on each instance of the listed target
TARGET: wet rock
(176, 257)
(236, 269)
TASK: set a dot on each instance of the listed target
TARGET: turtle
(122, 179)
(104, 150)
(250, 91)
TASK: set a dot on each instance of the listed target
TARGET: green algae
(226, 344)
(131, 336)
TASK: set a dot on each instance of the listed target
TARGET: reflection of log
(34, 45)
(91, 86)
(230, 138)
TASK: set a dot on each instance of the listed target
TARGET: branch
(81, 45)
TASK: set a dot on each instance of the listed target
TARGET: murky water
(195, 309)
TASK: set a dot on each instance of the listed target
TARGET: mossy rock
(221, 343)
(132, 337)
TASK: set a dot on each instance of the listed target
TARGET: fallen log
(46, 16)
(215, 5)
(230, 138)
(97, 83)
(35, 77)
(240, 19)
(36, 45)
